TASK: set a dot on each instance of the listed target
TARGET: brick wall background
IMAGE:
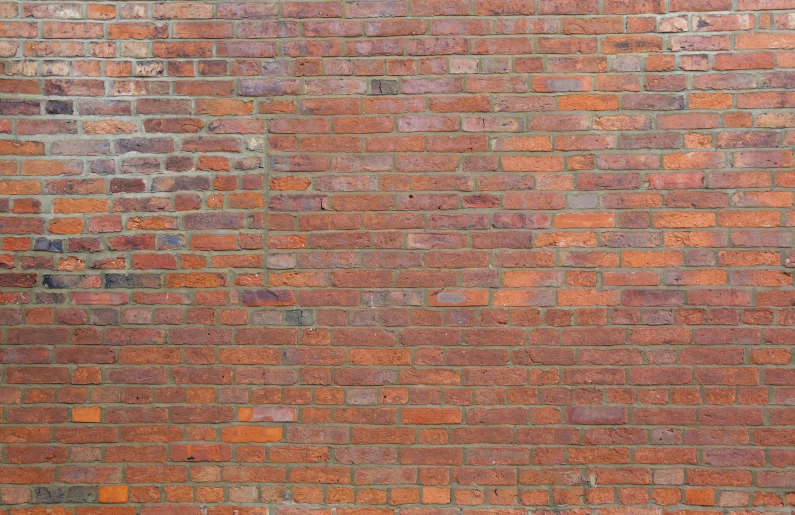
(397, 256)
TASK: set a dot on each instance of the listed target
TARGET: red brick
(442, 256)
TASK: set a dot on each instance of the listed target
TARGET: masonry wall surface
(421, 257)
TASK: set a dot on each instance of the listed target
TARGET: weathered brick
(473, 216)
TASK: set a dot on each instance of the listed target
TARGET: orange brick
(113, 494)
(86, 414)
(251, 434)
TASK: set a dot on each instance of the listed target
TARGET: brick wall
(397, 256)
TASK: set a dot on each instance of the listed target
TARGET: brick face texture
(397, 256)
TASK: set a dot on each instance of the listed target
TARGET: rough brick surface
(423, 257)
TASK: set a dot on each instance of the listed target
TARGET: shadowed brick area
(397, 257)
